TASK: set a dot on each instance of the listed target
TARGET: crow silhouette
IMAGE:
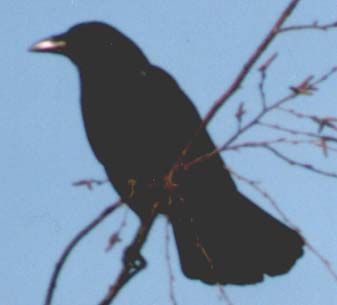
(138, 121)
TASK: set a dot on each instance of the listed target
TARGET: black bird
(138, 121)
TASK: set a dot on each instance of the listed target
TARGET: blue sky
(203, 45)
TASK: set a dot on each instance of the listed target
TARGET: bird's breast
(126, 134)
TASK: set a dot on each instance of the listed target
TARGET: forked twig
(243, 72)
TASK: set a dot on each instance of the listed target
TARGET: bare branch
(84, 232)
(313, 26)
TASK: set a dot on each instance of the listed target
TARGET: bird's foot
(133, 260)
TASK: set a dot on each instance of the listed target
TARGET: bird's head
(92, 43)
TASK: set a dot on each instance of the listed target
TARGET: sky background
(43, 150)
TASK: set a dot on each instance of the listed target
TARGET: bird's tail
(222, 237)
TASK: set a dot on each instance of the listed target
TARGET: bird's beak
(52, 45)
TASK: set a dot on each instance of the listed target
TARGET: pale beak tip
(47, 45)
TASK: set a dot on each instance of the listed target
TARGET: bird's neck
(108, 75)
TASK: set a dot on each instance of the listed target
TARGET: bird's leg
(132, 257)
(133, 260)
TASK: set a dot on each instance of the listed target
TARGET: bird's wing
(222, 237)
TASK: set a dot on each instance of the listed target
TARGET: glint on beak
(48, 45)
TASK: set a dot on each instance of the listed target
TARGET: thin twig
(267, 142)
(263, 71)
(319, 140)
(256, 186)
(323, 260)
(313, 26)
(89, 183)
(306, 166)
(324, 77)
(321, 143)
(297, 132)
(224, 295)
(168, 262)
(321, 121)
